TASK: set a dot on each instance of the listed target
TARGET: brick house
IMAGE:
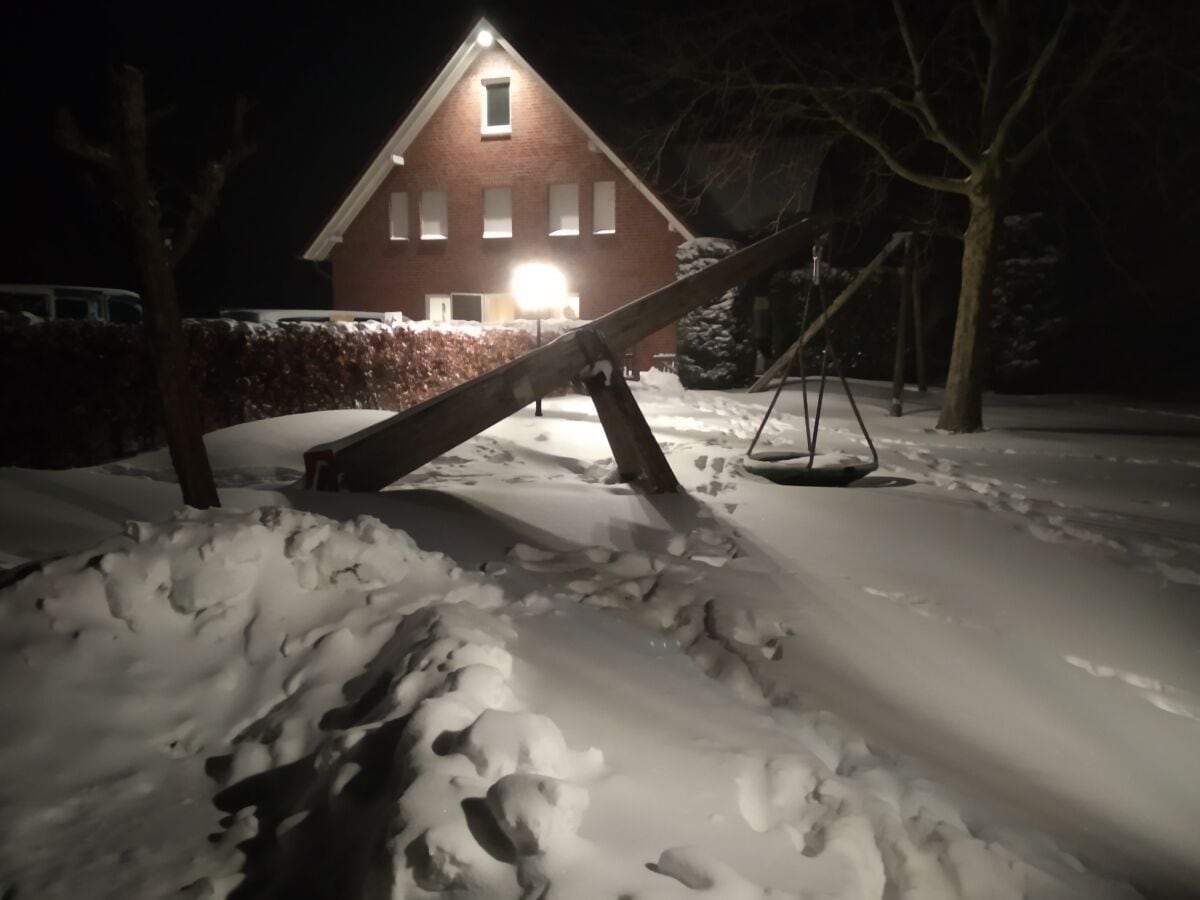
(491, 169)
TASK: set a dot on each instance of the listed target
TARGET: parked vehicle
(41, 302)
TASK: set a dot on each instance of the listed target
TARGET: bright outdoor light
(539, 287)
(484, 38)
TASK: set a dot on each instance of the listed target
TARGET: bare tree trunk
(962, 408)
(164, 327)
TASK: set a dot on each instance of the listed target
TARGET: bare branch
(996, 147)
(69, 138)
(997, 25)
(987, 20)
(935, 130)
(933, 182)
(1079, 87)
(210, 183)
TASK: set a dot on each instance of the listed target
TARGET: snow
(974, 674)
(549, 325)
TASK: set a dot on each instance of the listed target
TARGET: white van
(40, 302)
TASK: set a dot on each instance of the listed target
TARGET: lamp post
(538, 288)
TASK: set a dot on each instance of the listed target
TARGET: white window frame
(566, 198)
(398, 216)
(427, 209)
(497, 212)
(604, 198)
(484, 127)
(442, 300)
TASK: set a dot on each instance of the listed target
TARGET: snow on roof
(420, 114)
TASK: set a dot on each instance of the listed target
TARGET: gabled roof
(408, 129)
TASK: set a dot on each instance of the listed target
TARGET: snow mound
(318, 679)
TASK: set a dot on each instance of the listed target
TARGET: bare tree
(953, 97)
(158, 246)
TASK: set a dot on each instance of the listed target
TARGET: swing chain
(828, 355)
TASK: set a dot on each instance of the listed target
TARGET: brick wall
(370, 271)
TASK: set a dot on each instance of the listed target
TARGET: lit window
(497, 106)
(437, 307)
(433, 216)
(497, 212)
(604, 207)
(398, 216)
(564, 209)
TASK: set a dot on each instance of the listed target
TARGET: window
(497, 106)
(398, 217)
(564, 209)
(437, 307)
(433, 216)
(72, 308)
(467, 307)
(604, 207)
(36, 305)
(497, 212)
(571, 310)
(124, 312)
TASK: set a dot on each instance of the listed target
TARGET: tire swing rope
(768, 463)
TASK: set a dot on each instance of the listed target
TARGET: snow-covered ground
(974, 674)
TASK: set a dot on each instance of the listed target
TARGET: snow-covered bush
(1028, 315)
(863, 333)
(80, 393)
(715, 344)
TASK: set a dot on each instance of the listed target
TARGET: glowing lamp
(484, 38)
(539, 288)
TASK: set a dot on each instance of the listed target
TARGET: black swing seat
(808, 467)
(791, 467)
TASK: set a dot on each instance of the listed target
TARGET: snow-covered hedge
(715, 344)
(1028, 316)
(79, 393)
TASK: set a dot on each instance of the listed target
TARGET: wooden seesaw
(373, 458)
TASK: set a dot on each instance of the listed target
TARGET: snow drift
(272, 703)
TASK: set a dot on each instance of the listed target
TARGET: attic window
(497, 212)
(564, 209)
(433, 216)
(604, 207)
(497, 106)
(398, 216)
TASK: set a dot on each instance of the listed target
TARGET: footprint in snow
(1178, 574)
(922, 606)
(1162, 696)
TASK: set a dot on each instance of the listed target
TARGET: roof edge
(418, 116)
(397, 142)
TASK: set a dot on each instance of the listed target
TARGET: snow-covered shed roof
(419, 115)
